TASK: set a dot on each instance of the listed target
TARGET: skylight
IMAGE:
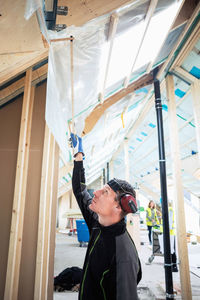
(127, 44)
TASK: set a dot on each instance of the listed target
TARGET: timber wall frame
(29, 169)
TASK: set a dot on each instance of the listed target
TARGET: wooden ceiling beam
(95, 115)
(22, 65)
(17, 87)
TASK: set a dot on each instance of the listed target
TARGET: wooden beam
(17, 87)
(147, 21)
(22, 65)
(43, 245)
(185, 13)
(196, 111)
(16, 232)
(95, 115)
(189, 45)
(189, 23)
(48, 215)
(178, 193)
(185, 75)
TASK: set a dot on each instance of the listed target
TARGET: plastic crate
(82, 231)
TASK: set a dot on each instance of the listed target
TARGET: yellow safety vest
(172, 230)
(149, 212)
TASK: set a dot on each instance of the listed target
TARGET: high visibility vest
(172, 225)
(149, 217)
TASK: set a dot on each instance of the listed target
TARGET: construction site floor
(68, 253)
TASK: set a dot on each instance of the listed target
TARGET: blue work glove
(76, 143)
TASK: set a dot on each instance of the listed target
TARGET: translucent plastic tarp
(86, 67)
(31, 7)
(90, 42)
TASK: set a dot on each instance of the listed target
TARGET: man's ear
(118, 208)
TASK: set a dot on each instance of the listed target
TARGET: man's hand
(76, 143)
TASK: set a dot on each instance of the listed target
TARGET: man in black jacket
(112, 268)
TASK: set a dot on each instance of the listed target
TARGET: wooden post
(42, 259)
(178, 193)
(15, 245)
(196, 109)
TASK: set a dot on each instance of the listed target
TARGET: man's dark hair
(121, 187)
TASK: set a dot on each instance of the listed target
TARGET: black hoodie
(112, 268)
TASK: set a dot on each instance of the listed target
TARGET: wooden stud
(43, 245)
(62, 39)
(48, 215)
(195, 89)
(42, 211)
(189, 45)
(178, 193)
(147, 21)
(15, 245)
(185, 75)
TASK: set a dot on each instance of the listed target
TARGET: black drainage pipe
(163, 184)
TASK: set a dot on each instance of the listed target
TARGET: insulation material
(192, 63)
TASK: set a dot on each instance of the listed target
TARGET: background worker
(151, 219)
(172, 237)
(112, 268)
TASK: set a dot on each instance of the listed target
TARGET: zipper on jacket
(84, 276)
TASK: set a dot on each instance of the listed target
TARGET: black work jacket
(112, 268)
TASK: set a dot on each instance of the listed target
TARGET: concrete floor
(152, 286)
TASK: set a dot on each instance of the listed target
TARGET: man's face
(104, 201)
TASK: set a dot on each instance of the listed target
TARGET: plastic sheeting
(86, 68)
(89, 46)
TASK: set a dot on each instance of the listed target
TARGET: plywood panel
(24, 36)
(80, 12)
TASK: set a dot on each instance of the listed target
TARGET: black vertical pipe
(108, 172)
(163, 184)
(104, 176)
